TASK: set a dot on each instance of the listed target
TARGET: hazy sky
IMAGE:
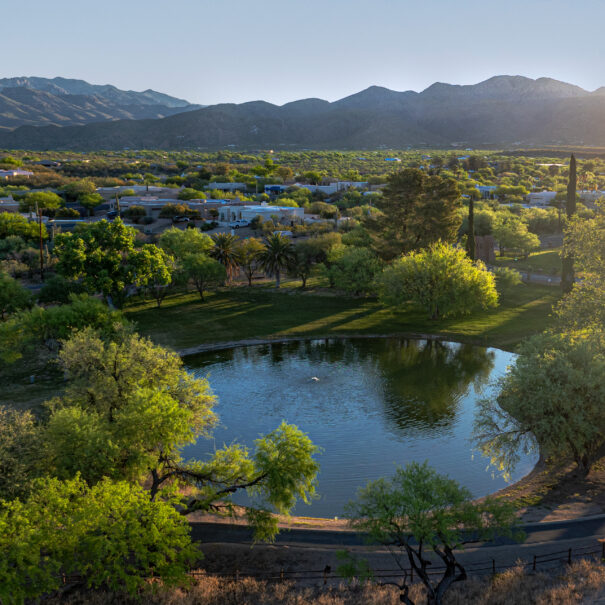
(211, 51)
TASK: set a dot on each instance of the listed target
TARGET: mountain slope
(500, 111)
(61, 101)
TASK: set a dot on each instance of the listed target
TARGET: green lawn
(547, 262)
(241, 313)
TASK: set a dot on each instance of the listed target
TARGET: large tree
(203, 271)
(584, 305)
(567, 271)
(128, 410)
(104, 257)
(416, 210)
(441, 279)
(551, 400)
(249, 251)
(13, 296)
(418, 512)
(225, 251)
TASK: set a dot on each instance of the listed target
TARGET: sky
(232, 51)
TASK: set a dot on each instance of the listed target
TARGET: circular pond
(370, 404)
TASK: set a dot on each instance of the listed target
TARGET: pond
(370, 404)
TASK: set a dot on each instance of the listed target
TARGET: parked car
(112, 214)
(238, 224)
(180, 219)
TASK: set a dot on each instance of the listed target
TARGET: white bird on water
(315, 379)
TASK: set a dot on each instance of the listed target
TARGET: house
(15, 172)
(284, 214)
(8, 204)
(487, 191)
(334, 187)
(540, 198)
(392, 159)
(228, 186)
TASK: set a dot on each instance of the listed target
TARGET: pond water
(370, 404)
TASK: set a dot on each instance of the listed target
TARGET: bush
(506, 278)
(58, 290)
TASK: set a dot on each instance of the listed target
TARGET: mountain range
(67, 102)
(501, 111)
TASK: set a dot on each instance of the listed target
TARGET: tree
(103, 256)
(442, 280)
(134, 213)
(512, 234)
(129, 409)
(305, 256)
(109, 535)
(567, 270)
(416, 210)
(249, 251)
(77, 189)
(225, 252)
(204, 271)
(584, 306)
(354, 269)
(58, 290)
(161, 268)
(276, 256)
(43, 200)
(419, 510)
(551, 399)
(13, 296)
(15, 224)
(19, 440)
(187, 194)
(178, 243)
(90, 201)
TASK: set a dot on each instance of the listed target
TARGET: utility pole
(39, 215)
(567, 272)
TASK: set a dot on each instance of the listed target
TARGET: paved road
(537, 533)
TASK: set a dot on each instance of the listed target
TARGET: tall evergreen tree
(567, 272)
(470, 242)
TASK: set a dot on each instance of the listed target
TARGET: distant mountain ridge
(501, 111)
(62, 101)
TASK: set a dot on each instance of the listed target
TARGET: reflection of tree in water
(424, 380)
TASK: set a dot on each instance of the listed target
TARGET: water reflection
(377, 403)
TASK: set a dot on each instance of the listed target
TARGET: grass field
(547, 262)
(262, 312)
(241, 313)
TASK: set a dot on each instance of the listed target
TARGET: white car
(238, 224)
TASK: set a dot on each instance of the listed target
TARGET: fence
(485, 567)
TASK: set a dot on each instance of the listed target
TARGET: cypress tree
(470, 241)
(567, 272)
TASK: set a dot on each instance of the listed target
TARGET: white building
(228, 186)
(334, 187)
(284, 214)
(14, 172)
(541, 198)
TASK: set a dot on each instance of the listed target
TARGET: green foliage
(506, 278)
(103, 256)
(47, 326)
(248, 252)
(352, 269)
(551, 398)
(75, 190)
(225, 251)
(190, 194)
(512, 234)
(90, 201)
(67, 213)
(110, 534)
(205, 272)
(276, 256)
(15, 224)
(442, 280)
(584, 306)
(13, 296)
(420, 509)
(58, 290)
(45, 200)
(19, 438)
(416, 210)
(180, 242)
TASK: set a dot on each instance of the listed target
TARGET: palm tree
(276, 255)
(226, 252)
